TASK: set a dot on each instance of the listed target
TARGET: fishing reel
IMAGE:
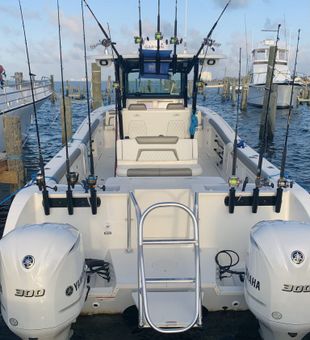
(263, 182)
(116, 85)
(138, 40)
(175, 41)
(285, 183)
(91, 181)
(234, 182)
(158, 36)
(72, 178)
(200, 85)
(40, 182)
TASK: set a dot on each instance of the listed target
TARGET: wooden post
(68, 120)
(273, 98)
(13, 147)
(96, 86)
(244, 93)
(18, 76)
(225, 91)
(53, 96)
(233, 93)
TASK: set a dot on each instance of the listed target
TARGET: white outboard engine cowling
(277, 283)
(43, 280)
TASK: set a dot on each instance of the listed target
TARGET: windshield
(137, 85)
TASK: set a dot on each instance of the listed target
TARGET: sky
(240, 26)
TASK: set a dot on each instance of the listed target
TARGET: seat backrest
(175, 106)
(138, 106)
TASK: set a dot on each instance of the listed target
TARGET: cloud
(233, 4)
(14, 12)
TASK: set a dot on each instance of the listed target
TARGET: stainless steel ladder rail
(143, 281)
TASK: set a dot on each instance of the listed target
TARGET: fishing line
(258, 180)
(92, 179)
(69, 176)
(283, 182)
(41, 179)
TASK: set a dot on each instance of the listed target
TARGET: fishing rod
(258, 180)
(91, 179)
(40, 179)
(174, 40)
(234, 180)
(158, 38)
(116, 86)
(71, 177)
(139, 39)
(283, 182)
(195, 63)
(207, 41)
(120, 61)
(108, 41)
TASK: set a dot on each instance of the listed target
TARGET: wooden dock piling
(53, 96)
(96, 86)
(68, 119)
(12, 169)
(233, 93)
(244, 93)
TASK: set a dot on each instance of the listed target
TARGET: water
(298, 157)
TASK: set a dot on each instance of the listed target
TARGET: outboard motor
(43, 280)
(277, 283)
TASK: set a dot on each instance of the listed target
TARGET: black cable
(42, 184)
(99, 267)
(226, 269)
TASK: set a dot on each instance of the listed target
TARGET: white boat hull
(257, 92)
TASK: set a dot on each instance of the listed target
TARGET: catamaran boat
(17, 100)
(149, 212)
(282, 77)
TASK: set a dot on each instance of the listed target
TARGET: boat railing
(22, 94)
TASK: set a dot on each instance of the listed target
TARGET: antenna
(41, 179)
(72, 177)
(234, 180)
(92, 179)
(258, 180)
(283, 182)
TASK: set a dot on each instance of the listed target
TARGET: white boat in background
(158, 220)
(282, 77)
(16, 99)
